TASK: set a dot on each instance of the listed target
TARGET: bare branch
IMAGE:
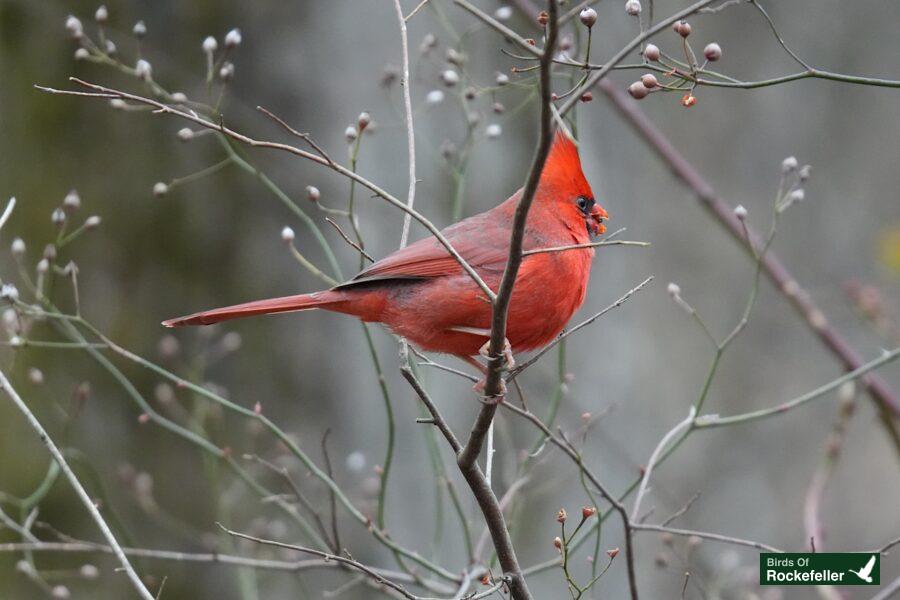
(79, 489)
(104, 92)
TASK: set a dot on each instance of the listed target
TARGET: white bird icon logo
(866, 572)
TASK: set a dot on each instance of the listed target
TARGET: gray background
(216, 241)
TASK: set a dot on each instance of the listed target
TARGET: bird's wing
(869, 566)
(427, 258)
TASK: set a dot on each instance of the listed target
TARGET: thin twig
(408, 115)
(588, 245)
(347, 239)
(79, 489)
(518, 370)
(782, 279)
(708, 421)
(371, 572)
(303, 136)
(648, 469)
(104, 92)
(716, 537)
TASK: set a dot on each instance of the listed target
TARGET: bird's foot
(509, 362)
(479, 389)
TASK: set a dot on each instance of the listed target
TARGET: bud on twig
(35, 376)
(143, 69)
(226, 73)
(434, 97)
(210, 44)
(682, 28)
(504, 13)
(651, 52)
(649, 80)
(287, 235)
(588, 17)
(740, 212)
(587, 512)
(312, 193)
(9, 292)
(18, 247)
(429, 42)
(712, 52)
(185, 134)
(89, 571)
(351, 134)
(633, 7)
(72, 201)
(160, 189)
(92, 222)
(58, 217)
(450, 77)
(557, 543)
(638, 90)
(74, 27)
(233, 38)
(82, 54)
(363, 121)
(101, 15)
(139, 30)
(562, 516)
(612, 552)
(789, 165)
(493, 131)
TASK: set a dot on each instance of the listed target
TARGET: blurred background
(216, 240)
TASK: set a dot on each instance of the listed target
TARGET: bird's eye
(584, 204)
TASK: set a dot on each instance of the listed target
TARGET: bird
(422, 294)
(866, 572)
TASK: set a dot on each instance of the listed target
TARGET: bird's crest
(562, 171)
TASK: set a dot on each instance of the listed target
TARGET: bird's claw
(509, 362)
(479, 389)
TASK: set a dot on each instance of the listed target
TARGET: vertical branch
(410, 131)
(79, 489)
(466, 458)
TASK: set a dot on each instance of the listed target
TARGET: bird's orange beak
(598, 216)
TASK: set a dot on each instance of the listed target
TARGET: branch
(142, 590)
(371, 572)
(78, 547)
(707, 536)
(104, 92)
(466, 458)
(774, 269)
(588, 245)
(708, 421)
(597, 76)
(617, 504)
(518, 370)
(408, 114)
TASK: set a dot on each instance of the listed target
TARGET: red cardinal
(422, 294)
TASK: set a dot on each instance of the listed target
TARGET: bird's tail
(259, 307)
